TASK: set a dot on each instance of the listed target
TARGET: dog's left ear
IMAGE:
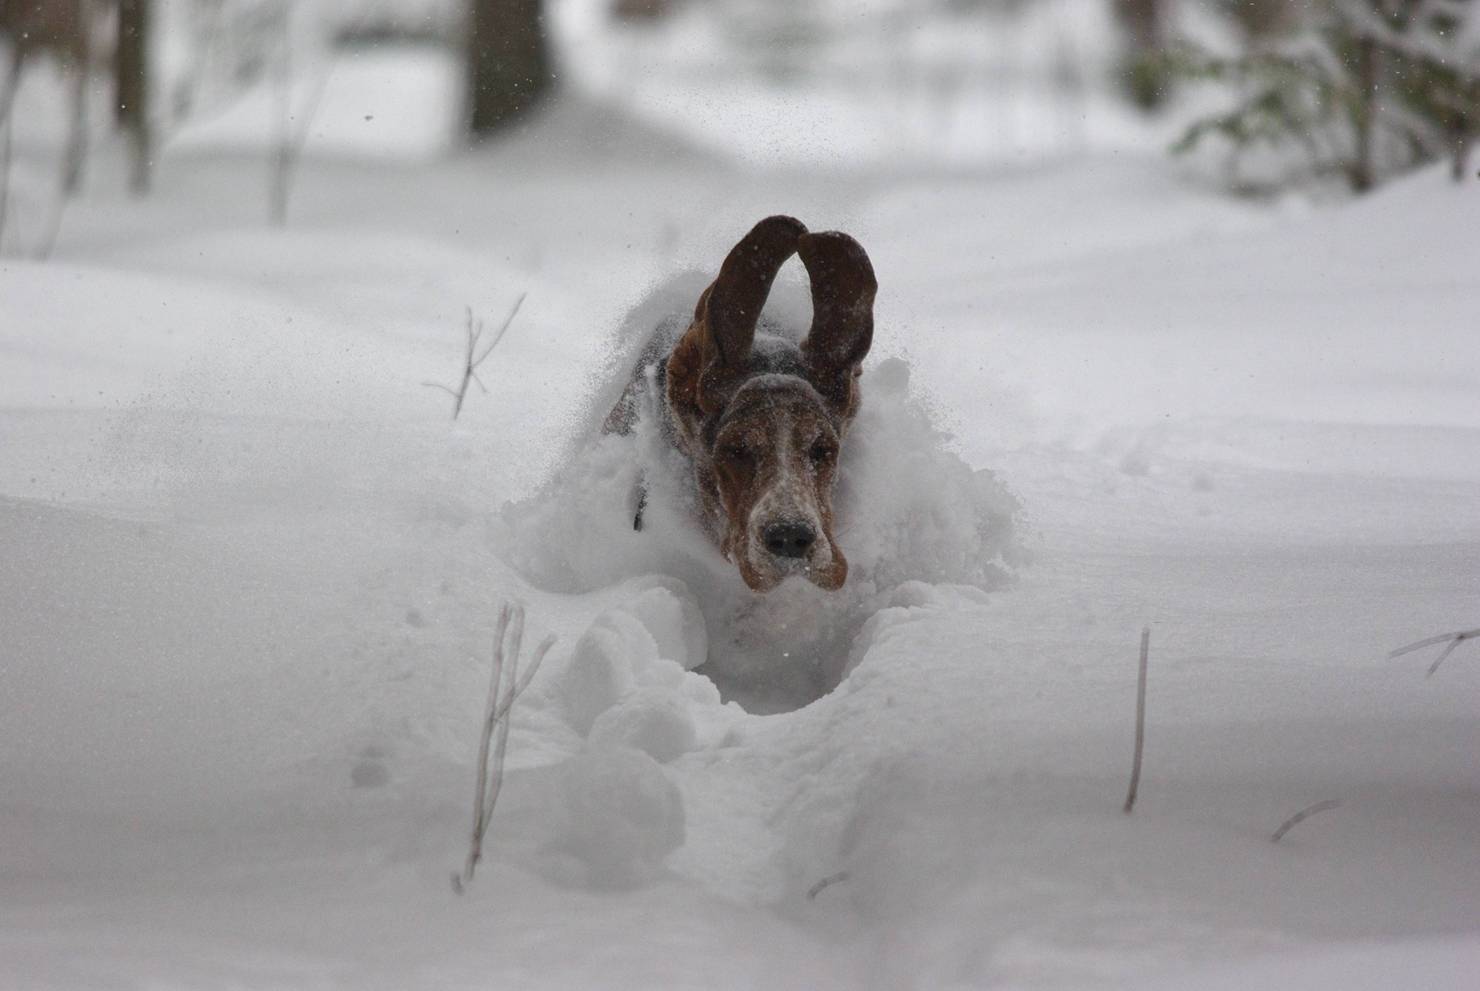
(714, 353)
(843, 289)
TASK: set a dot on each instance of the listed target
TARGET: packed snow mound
(622, 816)
(629, 671)
(908, 509)
(608, 814)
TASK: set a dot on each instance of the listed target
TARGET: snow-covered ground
(250, 571)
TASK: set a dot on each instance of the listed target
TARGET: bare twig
(490, 717)
(1301, 816)
(203, 43)
(7, 105)
(504, 688)
(290, 140)
(5, 155)
(53, 227)
(503, 329)
(495, 776)
(474, 356)
(1130, 796)
(282, 159)
(1452, 639)
(826, 883)
(526, 677)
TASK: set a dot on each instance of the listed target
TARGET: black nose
(789, 539)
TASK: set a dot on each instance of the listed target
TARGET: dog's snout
(789, 539)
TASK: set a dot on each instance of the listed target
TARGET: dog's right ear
(843, 290)
(713, 354)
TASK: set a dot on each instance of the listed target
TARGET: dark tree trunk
(509, 65)
(1144, 22)
(1363, 169)
(1145, 26)
(1264, 18)
(1463, 139)
(1465, 129)
(132, 86)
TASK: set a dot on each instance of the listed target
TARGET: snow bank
(249, 575)
(908, 509)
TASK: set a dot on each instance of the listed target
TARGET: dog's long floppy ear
(714, 352)
(843, 289)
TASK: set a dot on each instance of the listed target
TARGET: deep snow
(250, 572)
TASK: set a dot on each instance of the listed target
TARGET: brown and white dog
(762, 418)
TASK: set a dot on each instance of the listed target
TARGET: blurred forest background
(1260, 94)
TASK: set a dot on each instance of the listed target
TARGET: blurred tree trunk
(1145, 26)
(1362, 173)
(509, 65)
(1459, 165)
(640, 11)
(131, 87)
(1265, 18)
(1144, 21)
(1465, 129)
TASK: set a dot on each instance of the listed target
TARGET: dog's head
(764, 420)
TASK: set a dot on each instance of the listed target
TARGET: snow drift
(908, 510)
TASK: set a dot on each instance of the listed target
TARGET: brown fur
(762, 420)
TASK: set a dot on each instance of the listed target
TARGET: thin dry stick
(515, 687)
(204, 44)
(1130, 796)
(1452, 639)
(53, 227)
(7, 106)
(494, 774)
(490, 716)
(290, 140)
(505, 687)
(534, 665)
(1301, 816)
(5, 154)
(826, 883)
(472, 358)
(277, 179)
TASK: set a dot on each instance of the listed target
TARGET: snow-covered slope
(249, 574)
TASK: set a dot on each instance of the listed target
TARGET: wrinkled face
(771, 466)
(762, 421)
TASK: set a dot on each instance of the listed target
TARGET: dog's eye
(821, 452)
